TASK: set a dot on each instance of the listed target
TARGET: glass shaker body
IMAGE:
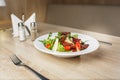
(21, 30)
(33, 27)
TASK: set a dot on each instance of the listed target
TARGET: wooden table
(101, 64)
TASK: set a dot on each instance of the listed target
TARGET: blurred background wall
(97, 18)
(94, 15)
(101, 16)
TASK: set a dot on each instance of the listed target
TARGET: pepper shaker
(33, 27)
(21, 30)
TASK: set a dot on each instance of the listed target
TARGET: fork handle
(38, 74)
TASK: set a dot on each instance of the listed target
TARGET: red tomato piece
(78, 45)
(47, 45)
(67, 48)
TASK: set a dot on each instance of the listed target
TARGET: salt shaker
(33, 27)
(21, 30)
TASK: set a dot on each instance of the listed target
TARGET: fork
(18, 62)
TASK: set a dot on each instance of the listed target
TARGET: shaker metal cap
(33, 24)
(20, 24)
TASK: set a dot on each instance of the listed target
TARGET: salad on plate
(64, 42)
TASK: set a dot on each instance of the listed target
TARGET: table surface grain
(104, 63)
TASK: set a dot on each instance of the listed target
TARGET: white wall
(103, 19)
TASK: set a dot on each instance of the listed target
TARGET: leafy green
(59, 33)
(50, 34)
(75, 35)
(52, 43)
(48, 41)
(60, 47)
(43, 41)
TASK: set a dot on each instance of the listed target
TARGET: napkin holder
(16, 20)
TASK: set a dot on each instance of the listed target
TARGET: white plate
(93, 45)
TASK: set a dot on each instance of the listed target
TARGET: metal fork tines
(15, 60)
(18, 62)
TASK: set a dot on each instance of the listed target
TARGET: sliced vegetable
(68, 40)
(78, 46)
(67, 48)
(55, 46)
